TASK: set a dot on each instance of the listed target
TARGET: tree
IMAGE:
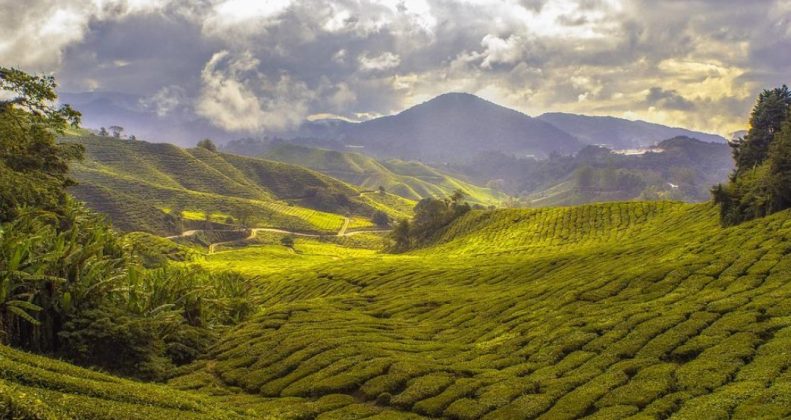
(34, 95)
(457, 196)
(287, 241)
(769, 113)
(133, 137)
(103, 132)
(117, 130)
(208, 145)
(759, 184)
(380, 218)
(780, 168)
(33, 165)
(401, 236)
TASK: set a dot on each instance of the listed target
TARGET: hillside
(411, 180)
(680, 168)
(138, 183)
(619, 133)
(36, 387)
(607, 311)
(450, 127)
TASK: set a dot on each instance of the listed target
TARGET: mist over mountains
(450, 127)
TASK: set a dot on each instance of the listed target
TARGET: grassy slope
(411, 180)
(36, 387)
(606, 310)
(136, 182)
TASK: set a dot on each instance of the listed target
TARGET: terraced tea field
(136, 183)
(35, 387)
(607, 311)
(643, 310)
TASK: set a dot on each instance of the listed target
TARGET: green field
(616, 310)
(411, 180)
(137, 183)
(608, 311)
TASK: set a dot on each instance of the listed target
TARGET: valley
(422, 256)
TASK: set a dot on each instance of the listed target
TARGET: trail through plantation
(254, 231)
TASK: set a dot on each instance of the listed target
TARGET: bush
(380, 218)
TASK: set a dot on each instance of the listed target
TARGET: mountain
(138, 184)
(450, 127)
(409, 179)
(618, 133)
(680, 168)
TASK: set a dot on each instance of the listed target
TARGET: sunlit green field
(272, 258)
(615, 310)
(609, 311)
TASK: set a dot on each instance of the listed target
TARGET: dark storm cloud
(252, 66)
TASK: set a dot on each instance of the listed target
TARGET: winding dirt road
(254, 231)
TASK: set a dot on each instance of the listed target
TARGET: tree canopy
(761, 183)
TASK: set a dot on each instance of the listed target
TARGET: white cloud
(33, 34)
(498, 50)
(166, 100)
(236, 97)
(231, 18)
(383, 61)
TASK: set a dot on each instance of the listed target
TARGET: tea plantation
(642, 310)
(616, 310)
(137, 183)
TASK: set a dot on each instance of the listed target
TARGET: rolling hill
(138, 183)
(412, 180)
(450, 127)
(619, 133)
(640, 310)
(599, 311)
(680, 168)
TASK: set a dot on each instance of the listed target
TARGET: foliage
(380, 218)
(606, 310)
(759, 185)
(68, 284)
(431, 216)
(208, 145)
(770, 110)
(34, 168)
(51, 267)
(287, 241)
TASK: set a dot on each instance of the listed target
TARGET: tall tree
(780, 167)
(33, 166)
(760, 183)
(769, 113)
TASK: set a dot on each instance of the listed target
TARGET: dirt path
(254, 231)
(344, 227)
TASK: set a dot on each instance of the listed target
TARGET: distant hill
(450, 127)
(619, 133)
(680, 168)
(138, 183)
(103, 109)
(409, 179)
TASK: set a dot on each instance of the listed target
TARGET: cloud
(166, 100)
(383, 61)
(235, 96)
(498, 50)
(253, 66)
(34, 34)
(669, 99)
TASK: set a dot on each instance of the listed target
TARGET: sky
(253, 66)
